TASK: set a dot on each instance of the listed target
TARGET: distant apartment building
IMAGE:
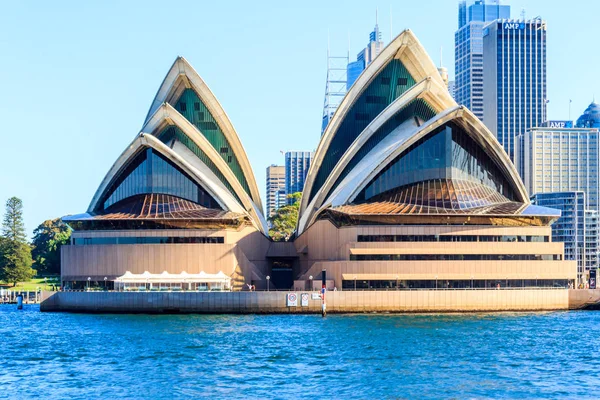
(468, 50)
(559, 158)
(514, 78)
(577, 228)
(275, 188)
(297, 164)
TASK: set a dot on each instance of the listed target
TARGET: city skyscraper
(366, 56)
(577, 227)
(297, 164)
(560, 159)
(275, 188)
(514, 78)
(468, 49)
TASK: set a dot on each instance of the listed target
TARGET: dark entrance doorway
(282, 272)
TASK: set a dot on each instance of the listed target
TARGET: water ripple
(510, 355)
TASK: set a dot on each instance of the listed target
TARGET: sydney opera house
(407, 190)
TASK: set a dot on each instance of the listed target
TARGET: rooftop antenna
(348, 43)
(570, 101)
(523, 13)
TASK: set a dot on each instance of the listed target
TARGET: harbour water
(509, 355)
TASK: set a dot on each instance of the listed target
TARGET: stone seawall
(420, 301)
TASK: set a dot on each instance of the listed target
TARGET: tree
(48, 238)
(283, 222)
(15, 252)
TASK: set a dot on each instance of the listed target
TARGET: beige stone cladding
(324, 246)
(337, 302)
(241, 255)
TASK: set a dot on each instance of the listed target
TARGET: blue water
(529, 355)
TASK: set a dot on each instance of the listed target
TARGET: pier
(29, 296)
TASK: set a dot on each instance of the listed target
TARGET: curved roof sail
(183, 89)
(395, 70)
(399, 139)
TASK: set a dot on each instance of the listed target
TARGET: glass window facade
(172, 133)
(577, 227)
(418, 108)
(150, 172)
(297, 164)
(147, 240)
(447, 153)
(455, 257)
(195, 111)
(442, 284)
(452, 238)
(361, 113)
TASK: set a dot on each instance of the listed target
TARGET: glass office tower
(297, 164)
(468, 48)
(577, 228)
(514, 78)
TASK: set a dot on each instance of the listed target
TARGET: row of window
(452, 284)
(452, 238)
(147, 240)
(455, 257)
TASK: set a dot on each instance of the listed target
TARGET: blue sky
(77, 78)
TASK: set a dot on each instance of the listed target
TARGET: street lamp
(88, 283)
(310, 278)
(105, 278)
(268, 279)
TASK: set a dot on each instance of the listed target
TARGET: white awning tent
(167, 277)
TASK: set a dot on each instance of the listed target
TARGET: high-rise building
(365, 57)
(572, 227)
(297, 164)
(560, 159)
(514, 78)
(452, 89)
(275, 188)
(468, 49)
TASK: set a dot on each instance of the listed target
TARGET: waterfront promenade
(403, 301)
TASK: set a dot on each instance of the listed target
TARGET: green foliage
(283, 222)
(15, 252)
(48, 238)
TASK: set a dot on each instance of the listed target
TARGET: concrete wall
(585, 298)
(337, 302)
